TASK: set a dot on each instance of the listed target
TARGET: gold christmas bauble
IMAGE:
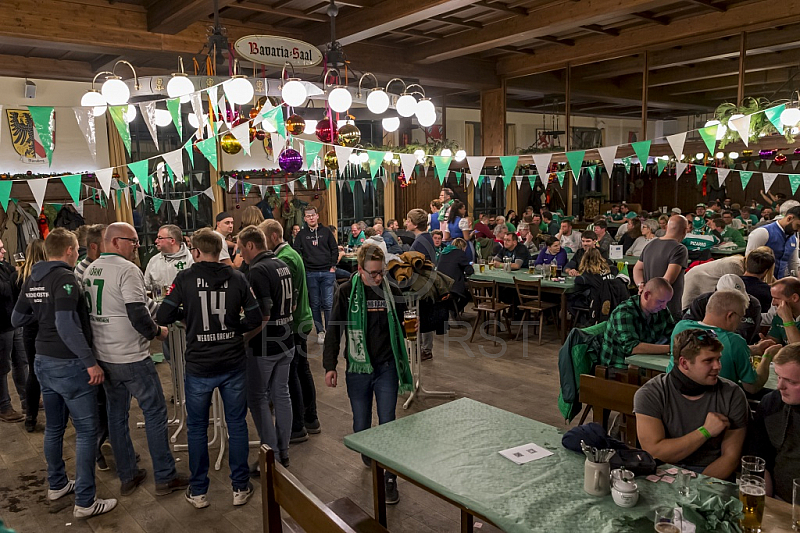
(349, 135)
(229, 144)
(268, 146)
(331, 162)
(295, 125)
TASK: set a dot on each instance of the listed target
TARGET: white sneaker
(98, 507)
(200, 501)
(240, 497)
(69, 488)
(321, 337)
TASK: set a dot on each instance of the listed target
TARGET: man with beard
(781, 237)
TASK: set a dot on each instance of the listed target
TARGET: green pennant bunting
(174, 107)
(312, 150)
(157, 204)
(58, 207)
(44, 121)
(700, 171)
(794, 180)
(375, 162)
(442, 165)
(194, 201)
(119, 196)
(757, 163)
(15, 200)
(275, 117)
(246, 186)
(277, 188)
(662, 164)
(221, 182)
(532, 180)
(328, 182)
(170, 174)
(189, 147)
(117, 113)
(509, 164)
(480, 180)
(575, 160)
(627, 162)
(560, 175)
(773, 114)
(73, 185)
(709, 136)
(745, 178)
(5, 193)
(139, 169)
(208, 148)
(642, 150)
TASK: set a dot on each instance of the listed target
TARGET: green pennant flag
(277, 188)
(700, 171)
(275, 117)
(662, 164)
(642, 150)
(73, 185)
(773, 114)
(15, 200)
(575, 161)
(592, 169)
(119, 196)
(627, 162)
(532, 180)
(509, 164)
(194, 201)
(208, 148)
(480, 180)
(757, 163)
(174, 107)
(560, 176)
(375, 162)
(794, 180)
(117, 113)
(157, 204)
(58, 207)
(221, 182)
(246, 186)
(44, 121)
(709, 136)
(170, 174)
(312, 150)
(189, 150)
(139, 169)
(5, 193)
(745, 178)
(458, 177)
(442, 165)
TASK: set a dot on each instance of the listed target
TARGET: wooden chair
(280, 489)
(529, 293)
(484, 296)
(602, 395)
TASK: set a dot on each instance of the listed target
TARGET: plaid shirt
(627, 327)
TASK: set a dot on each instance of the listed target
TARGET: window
(355, 203)
(490, 200)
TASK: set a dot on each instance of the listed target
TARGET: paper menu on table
(525, 453)
(615, 251)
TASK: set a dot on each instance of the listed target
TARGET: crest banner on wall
(25, 138)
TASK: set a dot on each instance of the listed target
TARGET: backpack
(613, 291)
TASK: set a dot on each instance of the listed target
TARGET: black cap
(222, 216)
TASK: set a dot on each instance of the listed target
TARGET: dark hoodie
(52, 298)
(212, 296)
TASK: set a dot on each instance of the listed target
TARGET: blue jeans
(67, 393)
(140, 380)
(268, 381)
(13, 358)
(199, 390)
(320, 295)
(361, 387)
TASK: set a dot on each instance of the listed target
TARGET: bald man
(666, 257)
(122, 329)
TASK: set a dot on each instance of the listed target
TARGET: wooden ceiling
(456, 48)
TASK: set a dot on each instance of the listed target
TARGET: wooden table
(657, 364)
(726, 252)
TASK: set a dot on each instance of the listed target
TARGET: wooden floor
(520, 377)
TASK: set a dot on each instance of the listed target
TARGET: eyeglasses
(375, 273)
(159, 238)
(134, 242)
(191, 248)
(696, 337)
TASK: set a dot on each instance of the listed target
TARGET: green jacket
(301, 316)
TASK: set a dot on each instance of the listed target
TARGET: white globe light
(406, 105)
(720, 155)
(340, 99)
(377, 101)
(180, 86)
(734, 155)
(446, 152)
(391, 124)
(420, 155)
(722, 129)
(461, 155)
(795, 131)
(115, 91)
(790, 116)
(426, 121)
(269, 127)
(699, 156)
(388, 156)
(163, 118)
(353, 159)
(363, 157)
(294, 93)
(238, 90)
(130, 114)
(193, 122)
(94, 98)
(664, 157)
(731, 125)
(311, 126)
(424, 109)
(711, 123)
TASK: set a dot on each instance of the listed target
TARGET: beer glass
(796, 504)
(752, 494)
(665, 520)
(410, 324)
(553, 270)
(531, 269)
(753, 466)
(756, 361)
(19, 258)
(686, 492)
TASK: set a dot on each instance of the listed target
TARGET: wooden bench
(602, 395)
(280, 489)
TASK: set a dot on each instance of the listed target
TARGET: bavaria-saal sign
(276, 51)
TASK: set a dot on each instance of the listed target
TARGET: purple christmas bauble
(290, 160)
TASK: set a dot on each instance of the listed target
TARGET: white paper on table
(615, 251)
(685, 525)
(525, 453)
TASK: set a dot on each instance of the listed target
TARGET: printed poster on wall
(25, 138)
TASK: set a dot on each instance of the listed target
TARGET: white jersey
(162, 268)
(224, 254)
(109, 283)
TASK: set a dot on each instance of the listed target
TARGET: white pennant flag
(519, 181)
(198, 176)
(212, 97)
(160, 174)
(175, 161)
(148, 112)
(794, 163)
(679, 169)
(492, 180)
(676, 142)
(79, 207)
(408, 162)
(104, 177)
(722, 174)
(313, 180)
(277, 145)
(769, 179)
(476, 166)
(140, 196)
(363, 185)
(242, 134)
(231, 183)
(176, 205)
(38, 188)
(224, 110)
(608, 154)
(210, 193)
(197, 108)
(339, 184)
(263, 189)
(542, 162)
(343, 154)
(742, 127)
(85, 118)
(291, 186)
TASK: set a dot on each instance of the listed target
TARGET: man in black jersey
(271, 351)
(212, 295)
(66, 368)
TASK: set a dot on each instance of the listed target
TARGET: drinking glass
(665, 520)
(410, 324)
(753, 466)
(752, 494)
(19, 258)
(796, 504)
(686, 492)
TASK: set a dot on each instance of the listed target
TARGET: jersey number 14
(212, 303)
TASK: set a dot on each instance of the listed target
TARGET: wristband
(789, 323)
(703, 431)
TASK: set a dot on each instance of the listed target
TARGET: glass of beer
(756, 361)
(19, 258)
(752, 494)
(531, 269)
(796, 504)
(553, 270)
(481, 267)
(753, 466)
(665, 520)
(410, 324)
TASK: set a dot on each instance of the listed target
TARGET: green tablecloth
(724, 252)
(660, 362)
(507, 278)
(453, 450)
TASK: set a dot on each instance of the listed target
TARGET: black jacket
(271, 281)
(455, 264)
(7, 298)
(318, 249)
(769, 433)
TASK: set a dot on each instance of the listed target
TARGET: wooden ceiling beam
(596, 28)
(752, 79)
(556, 40)
(37, 67)
(175, 16)
(282, 11)
(459, 22)
(664, 21)
(753, 16)
(706, 3)
(503, 8)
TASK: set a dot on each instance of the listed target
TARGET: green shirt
(729, 234)
(543, 227)
(753, 219)
(302, 312)
(698, 223)
(736, 365)
(511, 227)
(627, 327)
(616, 217)
(694, 242)
(777, 330)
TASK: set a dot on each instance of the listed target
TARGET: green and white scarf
(357, 356)
(443, 211)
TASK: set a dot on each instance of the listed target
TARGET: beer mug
(752, 494)
(481, 267)
(753, 466)
(665, 520)
(553, 270)
(410, 324)
(19, 258)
